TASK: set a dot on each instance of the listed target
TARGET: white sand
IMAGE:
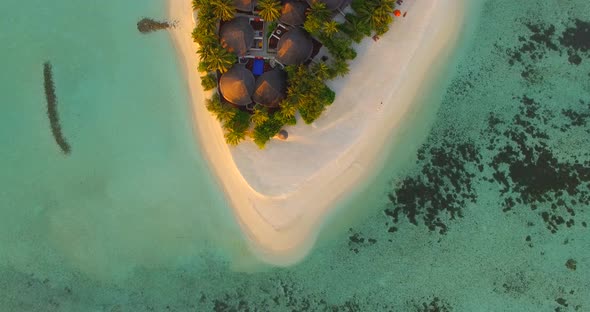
(282, 194)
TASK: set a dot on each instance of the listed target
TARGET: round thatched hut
(237, 35)
(330, 4)
(293, 13)
(243, 5)
(237, 85)
(295, 47)
(271, 88)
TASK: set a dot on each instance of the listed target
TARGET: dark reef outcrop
(52, 109)
(147, 25)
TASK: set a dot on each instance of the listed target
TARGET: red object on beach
(397, 12)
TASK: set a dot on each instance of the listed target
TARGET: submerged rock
(147, 25)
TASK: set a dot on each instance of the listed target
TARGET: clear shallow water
(128, 226)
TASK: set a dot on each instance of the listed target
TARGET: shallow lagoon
(130, 221)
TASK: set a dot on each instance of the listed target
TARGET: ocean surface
(483, 204)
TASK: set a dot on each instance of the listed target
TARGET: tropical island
(269, 59)
(281, 197)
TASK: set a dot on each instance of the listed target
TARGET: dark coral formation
(571, 264)
(52, 108)
(147, 25)
(287, 296)
(574, 40)
(577, 118)
(357, 240)
(529, 172)
(519, 149)
(434, 305)
(443, 186)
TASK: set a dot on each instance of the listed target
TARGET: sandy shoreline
(281, 195)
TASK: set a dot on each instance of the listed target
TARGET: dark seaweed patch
(576, 39)
(286, 295)
(443, 186)
(577, 118)
(357, 240)
(531, 174)
(433, 305)
(51, 98)
(534, 45)
(147, 25)
(571, 264)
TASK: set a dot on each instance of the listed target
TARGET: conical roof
(237, 85)
(237, 35)
(271, 88)
(330, 4)
(293, 12)
(294, 47)
(243, 5)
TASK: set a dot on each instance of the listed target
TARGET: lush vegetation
(377, 14)
(307, 92)
(209, 81)
(269, 10)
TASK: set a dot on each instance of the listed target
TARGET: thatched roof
(295, 47)
(243, 5)
(237, 35)
(237, 85)
(330, 4)
(293, 12)
(271, 88)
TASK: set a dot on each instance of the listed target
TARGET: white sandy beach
(282, 194)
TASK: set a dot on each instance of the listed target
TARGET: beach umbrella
(397, 12)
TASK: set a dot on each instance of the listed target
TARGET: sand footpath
(281, 195)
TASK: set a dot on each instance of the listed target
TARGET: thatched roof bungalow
(244, 5)
(294, 47)
(271, 88)
(237, 85)
(237, 35)
(293, 12)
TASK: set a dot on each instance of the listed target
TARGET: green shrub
(209, 82)
(236, 126)
(268, 129)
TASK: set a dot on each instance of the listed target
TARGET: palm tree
(320, 10)
(233, 137)
(355, 27)
(225, 113)
(196, 5)
(340, 68)
(317, 15)
(321, 70)
(214, 104)
(223, 9)
(330, 28)
(288, 110)
(260, 116)
(270, 10)
(217, 58)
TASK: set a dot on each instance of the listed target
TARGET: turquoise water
(131, 221)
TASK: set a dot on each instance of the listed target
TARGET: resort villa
(269, 60)
(263, 49)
